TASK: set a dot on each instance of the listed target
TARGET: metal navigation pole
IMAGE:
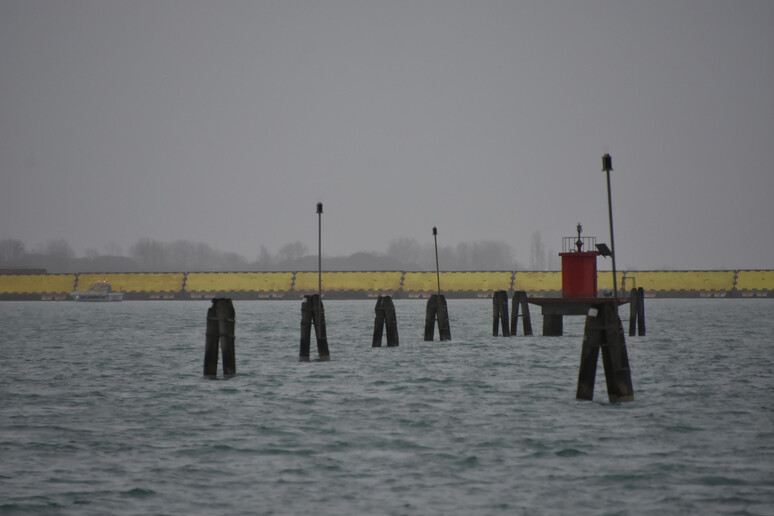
(607, 167)
(437, 273)
(319, 249)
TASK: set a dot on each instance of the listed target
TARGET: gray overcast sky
(226, 122)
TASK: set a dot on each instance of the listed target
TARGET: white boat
(98, 291)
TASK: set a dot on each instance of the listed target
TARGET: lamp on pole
(319, 249)
(607, 167)
(437, 273)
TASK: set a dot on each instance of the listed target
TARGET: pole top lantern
(607, 163)
(435, 231)
(319, 207)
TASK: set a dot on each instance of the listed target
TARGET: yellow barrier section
(755, 280)
(376, 281)
(540, 281)
(605, 280)
(680, 280)
(135, 282)
(239, 281)
(37, 283)
(422, 281)
(474, 281)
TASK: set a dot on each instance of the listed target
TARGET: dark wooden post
(641, 312)
(633, 310)
(385, 314)
(437, 310)
(391, 321)
(637, 312)
(430, 313)
(587, 371)
(500, 313)
(604, 330)
(318, 318)
(378, 323)
(520, 301)
(313, 314)
(211, 344)
(444, 331)
(220, 334)
(306, 329)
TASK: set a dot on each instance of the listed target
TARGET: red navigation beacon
(579, 266)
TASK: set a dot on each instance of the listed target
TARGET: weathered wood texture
(604, 331)
(437, 311)
(219, 334)
(313, 315)
(385, 316)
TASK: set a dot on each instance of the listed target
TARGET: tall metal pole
(607, 166)
(319, 249)
(437, 273)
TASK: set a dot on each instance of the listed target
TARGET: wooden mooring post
(385, 314)
(604, 330)
(437, 310)
(313, 314)
(637, 312)
(500, 313)
(520, 301)
(220, 334)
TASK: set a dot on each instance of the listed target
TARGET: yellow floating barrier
(681, 281)
(530, 281)
(755, 281)
(135, 281)
(269, 282)
(605, 281)
(483, 282)
(376, 281)
(37, 283)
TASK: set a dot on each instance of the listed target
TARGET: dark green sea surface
(103, 410)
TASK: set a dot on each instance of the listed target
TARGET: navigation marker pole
(607, 166)
(312, 311)
(437, 273)
(436, 305)
(319, 249)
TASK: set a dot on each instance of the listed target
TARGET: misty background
(148, 255)
(198, 135)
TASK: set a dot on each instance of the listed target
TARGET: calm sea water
(103, 410)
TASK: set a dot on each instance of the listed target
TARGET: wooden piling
(633, 309)
(520, 301)
(211, 345)
(641, 312)
(430, 312)
(385, 315)
(220, 334)
(604, 330)
(637, 312)
(437, 311)
(313, 315)
(500, 313)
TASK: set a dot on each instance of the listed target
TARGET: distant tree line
(148, 255)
